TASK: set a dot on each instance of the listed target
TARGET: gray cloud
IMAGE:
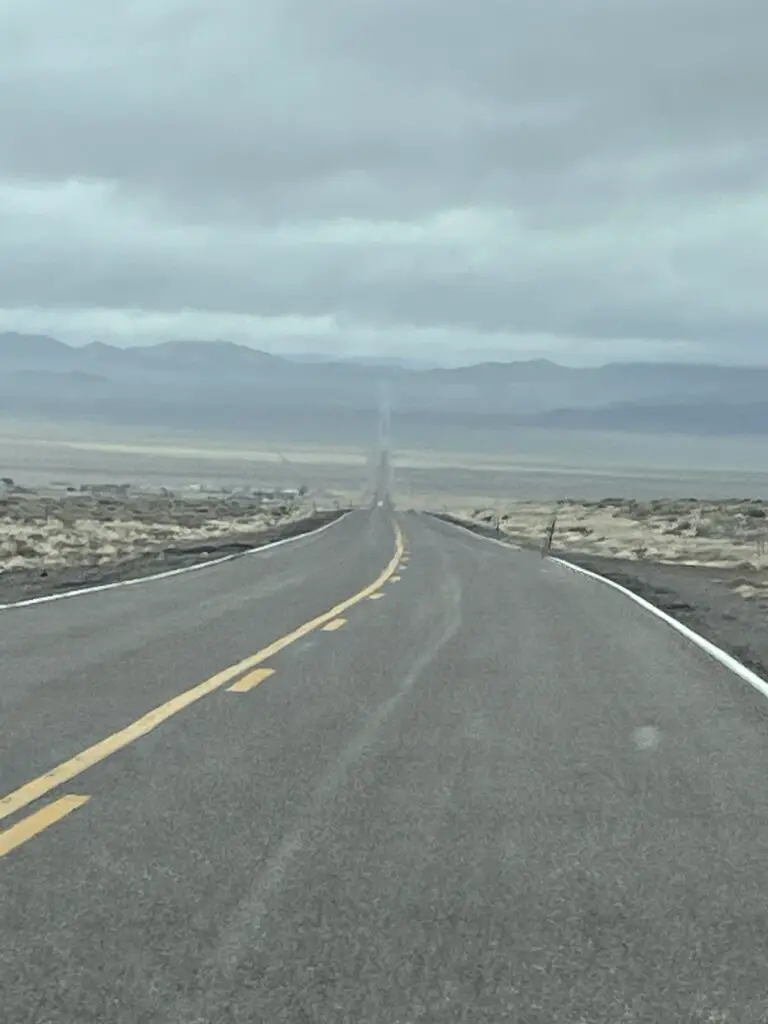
(582, 171)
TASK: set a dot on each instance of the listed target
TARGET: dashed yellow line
(35, 823)
(251, 679)
(333, 626)
(68, 770)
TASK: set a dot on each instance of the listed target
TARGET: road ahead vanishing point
(388, 773)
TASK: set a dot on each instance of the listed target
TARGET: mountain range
(225, 386)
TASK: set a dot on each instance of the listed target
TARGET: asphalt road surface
(459, 784)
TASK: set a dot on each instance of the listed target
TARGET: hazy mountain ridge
(210, 384)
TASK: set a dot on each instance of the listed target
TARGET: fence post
(546, 547)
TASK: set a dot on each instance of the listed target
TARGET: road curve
(428, 780)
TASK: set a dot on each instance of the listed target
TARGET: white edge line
(725, 659)
(508, 545)
(99, 588)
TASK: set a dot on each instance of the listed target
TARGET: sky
(581, 180)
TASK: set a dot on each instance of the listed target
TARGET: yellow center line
(333, 626)
(68, 770)
(251, 679)
(31, 826)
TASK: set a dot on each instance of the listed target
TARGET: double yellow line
(68, 770)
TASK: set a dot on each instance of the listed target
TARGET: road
(475, 786)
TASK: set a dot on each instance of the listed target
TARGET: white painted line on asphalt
(723, 657)
(167, 574)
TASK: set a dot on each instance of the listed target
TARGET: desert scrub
(684, 530)
(38, 532)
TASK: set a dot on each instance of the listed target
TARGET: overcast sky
(578, 179)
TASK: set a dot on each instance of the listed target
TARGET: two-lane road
(389, 773)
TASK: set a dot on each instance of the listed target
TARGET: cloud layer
(581, 179)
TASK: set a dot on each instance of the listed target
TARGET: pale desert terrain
(53, 542)
(43, 532)
(78, 508)
(721, 534)
(468, 470)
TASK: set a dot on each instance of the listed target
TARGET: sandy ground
(502, 468)
(41, 462)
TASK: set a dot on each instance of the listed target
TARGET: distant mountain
(389, 362)
(703, 419)
(205, 355)
(33, 351)
(222, 386)
(521, 370)
(34, 378)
